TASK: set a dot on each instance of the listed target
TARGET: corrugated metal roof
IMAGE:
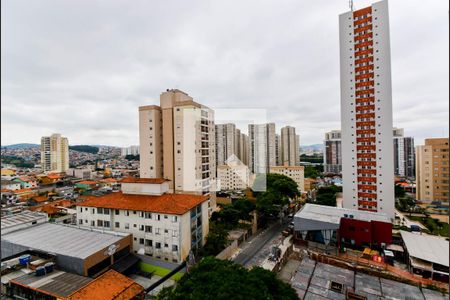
(427, 247)
(63, 240)
(332, 214)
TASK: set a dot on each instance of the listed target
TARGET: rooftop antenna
(350, 3)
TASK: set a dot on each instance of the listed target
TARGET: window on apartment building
(106, 224)
(141, 227)
(149, 243)
(174, 233)
(166, 230)
(141, 214)
(106, 211)
(134, 225)
(158, 245)
(92, 223)
(127, 213)
(166, 245)
(157, 230)
(100, 223)
(117, 225)
(127, 225)
(158, 217)
(141, 241)
(100, 210)
(148, 228)
(148, 215)
(80, 221)
(86, 209)
(134, 212)
(85, 221)
(174, 248)
(81, 209)
(117, 212)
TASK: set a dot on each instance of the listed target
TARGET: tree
(311, 172)
(327, 195)
(216, 240)
(399, 191)
(218, 279)
(279, 189)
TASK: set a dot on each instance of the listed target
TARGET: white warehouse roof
(63, 239)
(332, 214)
(427, 247)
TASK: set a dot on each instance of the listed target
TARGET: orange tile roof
(112, 180)
(87, 182)
(23, 191)
(55, 176)
(5, 191)
(177, 204)
(144, 180)
(110, 285)
(40, 198)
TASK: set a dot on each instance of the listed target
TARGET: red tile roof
(109, 180)
(144, 180)
(110, 285)
(88, 182)
(177, 204)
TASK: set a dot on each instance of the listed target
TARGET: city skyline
(86, 81)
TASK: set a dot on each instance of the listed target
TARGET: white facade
(84, 173)
(366, 110)
(296, 173)
(131, 150)
(262, 147)
(233, 176)
(165, 236)
(54, 153)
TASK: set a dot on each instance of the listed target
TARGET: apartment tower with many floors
(177, 142)
(54, 153)
(366, 109)
(290, 147)
(332, 152)
(432, 170)
(404, 157)
(261, 147)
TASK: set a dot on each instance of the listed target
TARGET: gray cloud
(83, 67)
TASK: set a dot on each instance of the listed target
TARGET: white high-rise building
(366, 109)
(404, 154)
(290, 147)
(261, 147)
(131, 150)
(54, 153)
(177, 142)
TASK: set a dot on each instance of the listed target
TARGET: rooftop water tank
(49, 267)
(24, 259)
(40, 271)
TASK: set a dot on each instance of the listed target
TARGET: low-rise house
(427, 255)
(27, 182)
(165, 226)
(10, 185)
(86, 185)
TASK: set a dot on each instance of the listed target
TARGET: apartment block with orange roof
(164, 225)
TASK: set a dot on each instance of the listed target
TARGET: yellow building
(432, 170)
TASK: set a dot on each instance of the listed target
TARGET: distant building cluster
(131, 150)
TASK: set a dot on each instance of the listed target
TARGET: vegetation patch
(159, 271)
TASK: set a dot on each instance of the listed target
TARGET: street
(253, 248)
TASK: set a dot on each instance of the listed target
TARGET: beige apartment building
(54, 153)
(290, 147)
(432, 170)
(297, 173)
(177, 142)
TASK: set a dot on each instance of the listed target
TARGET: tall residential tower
(290, 147)
(54, 153)
(366, 109)
(177, 142)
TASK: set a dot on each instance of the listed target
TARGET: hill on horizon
(22, 146)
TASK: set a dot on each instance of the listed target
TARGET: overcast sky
(82, 67)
